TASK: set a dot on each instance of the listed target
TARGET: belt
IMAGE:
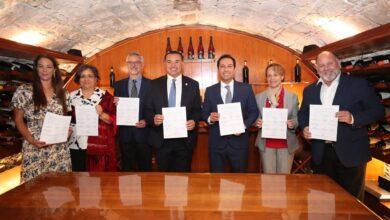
(330, 144)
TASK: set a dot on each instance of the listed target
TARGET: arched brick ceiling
(92, 25)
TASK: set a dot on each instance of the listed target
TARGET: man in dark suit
(173, 90)
(344, 160)
(133, 143)
(231, 149)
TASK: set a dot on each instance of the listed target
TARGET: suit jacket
(242, 93)
(126, 133)
(158, 99)
(357, 97)
(291, 103)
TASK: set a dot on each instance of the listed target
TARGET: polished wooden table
(180, 196)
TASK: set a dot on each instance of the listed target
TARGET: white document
(55, 128)
(230, 119)
(127, 111)
(274, 123)
(87, 121)
(323, 122)
(175, 122)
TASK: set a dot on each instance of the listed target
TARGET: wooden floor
(180, 196)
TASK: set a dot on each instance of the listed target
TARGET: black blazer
(353, 95)
(158, 98)
(126, 132)
(242, 93)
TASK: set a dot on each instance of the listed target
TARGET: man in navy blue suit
(133, 140)
(344, 160)
(173, 90)
(230, 149)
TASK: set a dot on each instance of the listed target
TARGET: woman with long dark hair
(31, 102)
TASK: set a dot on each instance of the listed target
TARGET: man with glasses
(230, 149)
(133, 143)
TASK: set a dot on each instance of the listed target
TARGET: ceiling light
(29, 37)
(339, 29)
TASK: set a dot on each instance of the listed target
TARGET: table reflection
(180, 196)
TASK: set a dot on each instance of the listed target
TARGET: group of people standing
(344, 160)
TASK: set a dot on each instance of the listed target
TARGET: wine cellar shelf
(10, 78)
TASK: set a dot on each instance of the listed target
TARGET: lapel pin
(186, 84)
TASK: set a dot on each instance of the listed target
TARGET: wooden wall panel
(256, 50)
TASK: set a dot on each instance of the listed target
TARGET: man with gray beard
(345, 159)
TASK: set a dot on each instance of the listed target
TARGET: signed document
(175, 122)
(55, 128)
(127, 111)
(230, 119)
(323, 122)
(274, 123)
(87, 121)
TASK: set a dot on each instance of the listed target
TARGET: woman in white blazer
(277, 154)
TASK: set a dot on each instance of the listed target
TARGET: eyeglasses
(134, 63)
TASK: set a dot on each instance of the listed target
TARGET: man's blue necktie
(172, 94)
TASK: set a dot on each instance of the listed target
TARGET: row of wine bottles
(245, 71)
(191, 51)
(297, 71)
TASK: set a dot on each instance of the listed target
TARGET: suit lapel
(340, 90)
(317, 94)
(219, 98)
(235, 91)
(125, 87)
(164, 91)
(184, 90)
(142, 90)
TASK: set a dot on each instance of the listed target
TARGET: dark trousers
(221, 157)
(79, 160)
(174, 156)
(135, 155)
(350, 178)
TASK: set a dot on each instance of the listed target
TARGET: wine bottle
(112, 77)
(245, 73)
(169, 48)
(200, 49)
(211, 50)
(180, 47)
(190, 50)
(297, 72)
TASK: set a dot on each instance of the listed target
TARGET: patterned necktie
(172, 94)
(228, 97)
(134, 92)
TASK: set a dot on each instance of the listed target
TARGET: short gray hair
(135, 53)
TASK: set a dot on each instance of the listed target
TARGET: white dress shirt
(328, 92)
(178, 84)
(223, 94)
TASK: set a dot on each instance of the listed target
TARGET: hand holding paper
(323, 122)
(55, 128)
(230, 119)
(127, 111)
